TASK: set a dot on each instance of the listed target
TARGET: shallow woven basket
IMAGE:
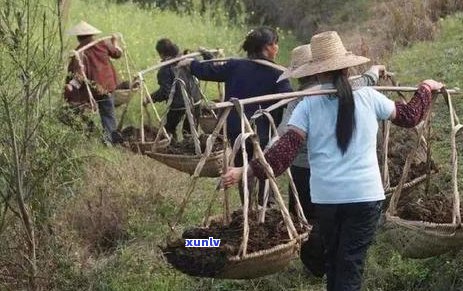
(123, 96)
(208, 123)
(256, 264)
(418, 240)
(185, 163)
(260, 263)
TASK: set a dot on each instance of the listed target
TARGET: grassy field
(132, 198)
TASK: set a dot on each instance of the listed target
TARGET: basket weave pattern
(123, 96)
(187, 164)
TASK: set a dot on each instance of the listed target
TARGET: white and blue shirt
(354, 176)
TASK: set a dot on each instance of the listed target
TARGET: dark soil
(415, 204)
(434, 207)
(187, 146)
(133, 134)
(401, 143)
(207, 262)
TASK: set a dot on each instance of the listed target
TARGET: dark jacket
(243, 79)
(166, 76)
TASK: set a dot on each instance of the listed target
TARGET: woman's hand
(232, 176)
(379, 70)
(68, 88)
(433, 85)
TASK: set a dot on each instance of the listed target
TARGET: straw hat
(83, 28)
(328, 54)
(299, 55)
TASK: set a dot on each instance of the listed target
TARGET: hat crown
(300, 55)
(327, 45)
(83, 28)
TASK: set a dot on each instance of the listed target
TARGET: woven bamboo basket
(261, 263)
(419, 239)
(422, 239)
(187, 164)
(241, 264)
(253, 265)
(207, 123)
(123, 96)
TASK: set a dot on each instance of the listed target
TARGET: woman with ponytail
(248, 77)
(340, 131)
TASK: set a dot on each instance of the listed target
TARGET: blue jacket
(243, 79)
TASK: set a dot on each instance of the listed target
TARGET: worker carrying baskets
(92, 80)
(341, 129)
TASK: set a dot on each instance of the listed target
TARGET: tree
(33, 149)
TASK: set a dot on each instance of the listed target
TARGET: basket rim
(414, 224)
(212, 155)
(265, 252)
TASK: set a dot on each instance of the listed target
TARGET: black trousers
(347, 231)
(312, 251)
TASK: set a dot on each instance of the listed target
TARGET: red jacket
(98, 69)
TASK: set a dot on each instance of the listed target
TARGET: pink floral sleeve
(410, 114)
(280, 156)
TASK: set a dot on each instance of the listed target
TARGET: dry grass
(126, 197)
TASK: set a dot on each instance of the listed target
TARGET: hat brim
(83, 32)
(316, 67)
(286, 74)
(83, 28)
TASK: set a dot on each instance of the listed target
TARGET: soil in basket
(401, 142)
(207, 262)
(187, 146)
(133, 134)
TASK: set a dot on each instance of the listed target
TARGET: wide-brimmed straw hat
(83, 28)
(328, 54)
(299, 55)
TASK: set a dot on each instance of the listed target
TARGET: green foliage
(37, 161)
(440, 59)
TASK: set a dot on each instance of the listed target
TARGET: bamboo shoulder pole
(258, 61)
(281, 96)
(171, 61)
(93, 43)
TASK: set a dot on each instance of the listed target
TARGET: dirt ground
(210, 261)
(401, 142)
(415, 204)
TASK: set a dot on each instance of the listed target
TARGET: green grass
(441, 59)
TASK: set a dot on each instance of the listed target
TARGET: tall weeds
(35, 153)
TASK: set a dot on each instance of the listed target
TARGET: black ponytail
(345, 123)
